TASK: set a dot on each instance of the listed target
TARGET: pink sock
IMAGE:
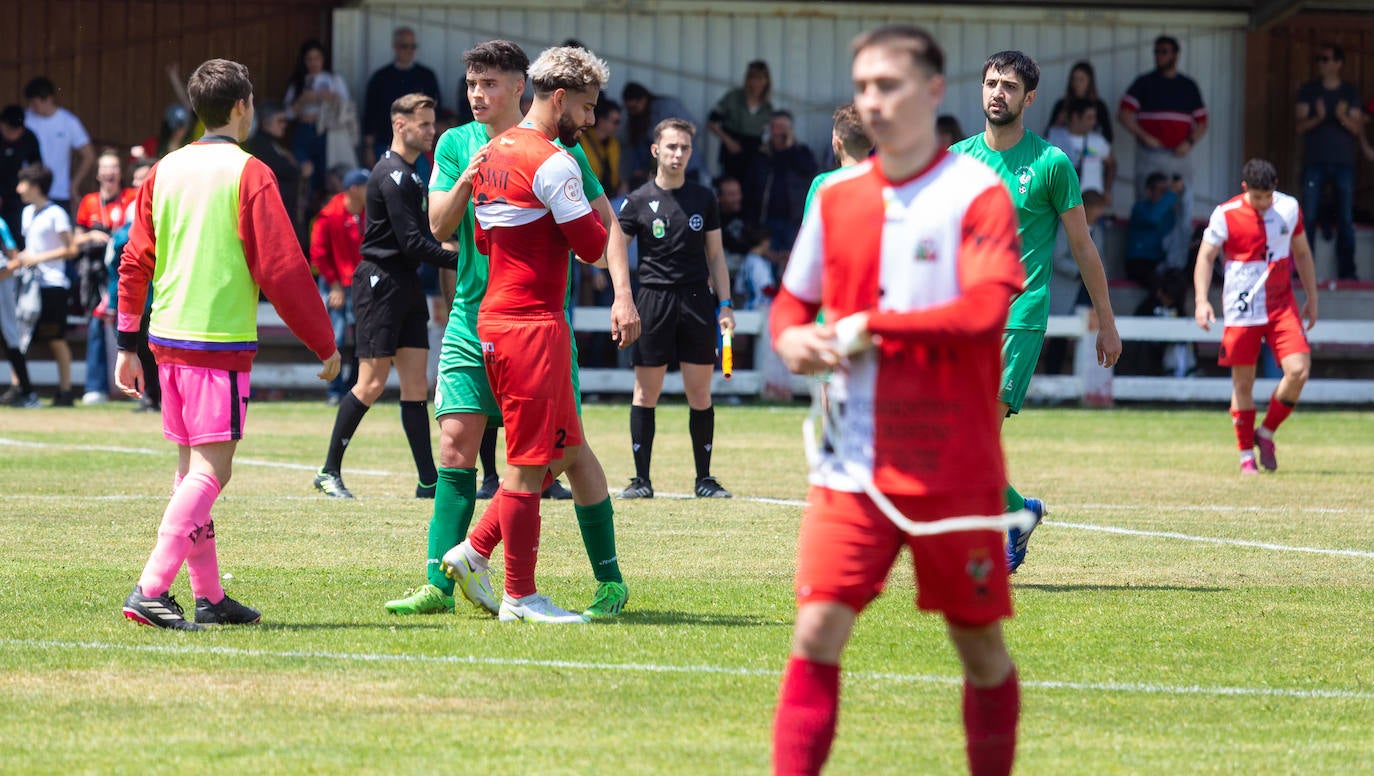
(520, 529)
(808, 709)
(187, 512)
(202, 565)
(990, 716)
(484, 536)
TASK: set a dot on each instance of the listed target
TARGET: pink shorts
(201, 406)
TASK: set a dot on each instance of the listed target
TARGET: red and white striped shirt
(1259, 257)
(935, 260)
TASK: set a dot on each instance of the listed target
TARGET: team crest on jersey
(979, 566)
(659, 228)
(1024, 176)
(696, 222)
(573, 190)
(925, 250)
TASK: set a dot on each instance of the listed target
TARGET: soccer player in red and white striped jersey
(913, 256)
(1261, 234)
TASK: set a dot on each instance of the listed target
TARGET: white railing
(1089, 383)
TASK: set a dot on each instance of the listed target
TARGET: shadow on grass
(654, 617)
(1109, 588)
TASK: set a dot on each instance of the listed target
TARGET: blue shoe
(1018, 541)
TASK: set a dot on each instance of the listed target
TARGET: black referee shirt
(671, 227)
(397, 235)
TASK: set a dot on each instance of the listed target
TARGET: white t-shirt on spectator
(322, 80)
(1088, 153)
(42, 233)
(58, 136)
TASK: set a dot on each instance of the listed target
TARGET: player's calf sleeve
(455, 499)
(808, 709)
(351, 412)
(188, 511)
(642, 428)
(520, 534)
(1015, 501)
(1244, 421)
(990, 717)
(701, 424)
(415, 421)
(597, 524)
(487, 453)
(1278, 412)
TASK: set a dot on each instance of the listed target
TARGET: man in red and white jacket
(336, 242)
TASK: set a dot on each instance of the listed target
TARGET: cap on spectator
(176, 116)
(356, 177)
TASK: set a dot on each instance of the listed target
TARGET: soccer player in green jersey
(850, 142)
(463, 401)
(1044, 187)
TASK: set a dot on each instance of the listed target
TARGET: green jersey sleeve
(1065, 191)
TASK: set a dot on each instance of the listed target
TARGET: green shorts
(1020, 352)
(465, 389)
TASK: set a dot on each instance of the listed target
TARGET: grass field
(1172, 618)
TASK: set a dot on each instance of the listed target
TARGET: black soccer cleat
(557, 492)
(425, 491)
(710, 487)
(226, 612)
(490, 485)
(639, 488)
(331, 485)
(160, 612)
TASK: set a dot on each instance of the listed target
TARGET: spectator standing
(602, 147)
(1082, 85)
(786, 169)
(60, 134)
(1163, 109)
(312, 87)
(48, 244)
(18, 149)
(402, 76)
(1330, 121)
(20, 393)
(644, 110)
(269, 145)
(740, 117)
(335, 249)
(97, 217)
(1261, 235)
(1088, 150)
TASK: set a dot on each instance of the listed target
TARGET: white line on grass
(474, 660)
(1210, 539)
(166, 452)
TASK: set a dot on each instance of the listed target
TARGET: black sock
(702, 426)
(351, 412)
(642, 429)
(487, 453)
(20, 367)
(415, 421)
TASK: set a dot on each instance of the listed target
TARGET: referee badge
(659, 228)
(696, 222)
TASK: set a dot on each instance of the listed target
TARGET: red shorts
(1240, 345)
(201, 405)
(529, 363)
(847, 547)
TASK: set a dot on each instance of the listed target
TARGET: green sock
(455, 498)
(1015, 501)
(598, 535)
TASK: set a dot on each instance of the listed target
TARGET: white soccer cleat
(463, 565)
(536, 608)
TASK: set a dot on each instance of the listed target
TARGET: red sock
(808, 708)
(1244, 421)
(1278, 412)
(520, 529)
(487, 533)
(990, 715)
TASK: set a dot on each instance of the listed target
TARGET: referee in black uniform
(683, 301)
(388, 300)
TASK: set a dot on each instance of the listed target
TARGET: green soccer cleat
(425, 599)
(610, 598)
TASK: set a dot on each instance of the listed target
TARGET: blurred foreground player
(210, 226)
(913, 257)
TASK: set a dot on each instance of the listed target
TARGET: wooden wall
(108, 58)
(1277, 63)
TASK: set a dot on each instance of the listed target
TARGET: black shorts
(678, 324)
(389, 311)
(52, 317)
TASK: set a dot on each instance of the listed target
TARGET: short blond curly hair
(570, 68)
